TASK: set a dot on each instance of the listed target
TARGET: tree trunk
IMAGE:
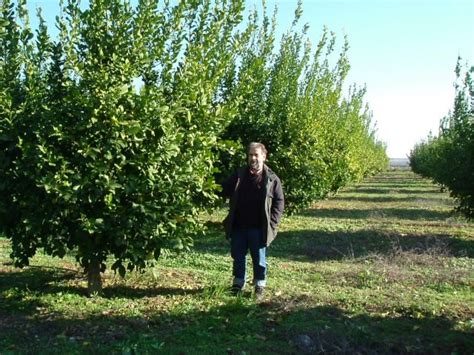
(94, 280)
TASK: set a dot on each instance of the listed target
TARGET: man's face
(256, 158)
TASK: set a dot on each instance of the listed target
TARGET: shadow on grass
(397, 178)
(46, 281)
(393, 198)
(14, 285)
(276, 326)
(213, 241)
(331, 330)
(399, 213)
(392, 187)
(391, 190)
(133, 292)
(312, 245)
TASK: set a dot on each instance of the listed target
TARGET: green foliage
(110, 133)
(107, 132)
(449, 157)
(291, 100)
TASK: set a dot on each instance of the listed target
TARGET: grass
(383, 267)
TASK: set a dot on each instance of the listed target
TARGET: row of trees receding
(448, 158)
(112, 135)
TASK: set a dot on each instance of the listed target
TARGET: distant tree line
(113, 134)
(448, 158)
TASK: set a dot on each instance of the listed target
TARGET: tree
(93, 163)
(449, 157)
(291, 99)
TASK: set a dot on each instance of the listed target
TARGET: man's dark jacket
(272, 208)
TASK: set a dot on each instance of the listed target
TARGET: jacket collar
(268, 173)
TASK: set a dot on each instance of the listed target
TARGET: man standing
(256, 206)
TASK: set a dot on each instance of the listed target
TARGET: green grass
(383, 267)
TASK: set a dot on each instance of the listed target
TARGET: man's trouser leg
(238, 251)
(258, 253)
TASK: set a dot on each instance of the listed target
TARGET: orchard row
(114, 134)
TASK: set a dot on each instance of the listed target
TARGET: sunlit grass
(384, 266)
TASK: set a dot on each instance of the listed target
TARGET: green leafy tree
(108, 131)
(449, 157)
(291, 99)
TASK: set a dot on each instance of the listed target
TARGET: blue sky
(404, 51)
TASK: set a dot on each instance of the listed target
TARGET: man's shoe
(235, 290)
(259, 292)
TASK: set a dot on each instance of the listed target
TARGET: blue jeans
(243, 240)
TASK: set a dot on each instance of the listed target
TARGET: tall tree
(448, 158)
(290, 97)
(95, 163)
